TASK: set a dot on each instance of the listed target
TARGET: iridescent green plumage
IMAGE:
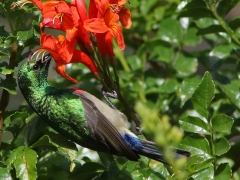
(81, 117)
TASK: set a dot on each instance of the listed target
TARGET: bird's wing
(103, 130)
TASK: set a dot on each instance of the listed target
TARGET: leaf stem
(223, 24)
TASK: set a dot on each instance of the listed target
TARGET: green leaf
(24, 161)
(185, 66)
(234, 24)
(221, 51)
(198, 163)
(32, 133)
(197, 145)
(9, 85)
(222, 123)
(187, 89)
(5, 174)
(169, 86)
(232, 92)
(88, 170)
(4, 69)
(3, 33)
(162, 54)
(225, 6)
(196, 9)
(221, 146)
(203, 95)
(170, 31)
(206, 174)
(223, 172)
(62, 145)
(191, 38)
(3, 54)
(146, 6)
(193, 124)
(210, 29)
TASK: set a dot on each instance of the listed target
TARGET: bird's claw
(139, 130)
(106, 96)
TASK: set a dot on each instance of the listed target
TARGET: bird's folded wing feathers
(102, 127)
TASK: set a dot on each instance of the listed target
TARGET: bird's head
(34, 73)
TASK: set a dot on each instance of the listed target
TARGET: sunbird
(83, 118)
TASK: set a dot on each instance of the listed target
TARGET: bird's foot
(138, 130)
(106, 96)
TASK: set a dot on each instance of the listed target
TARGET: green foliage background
(180, 72)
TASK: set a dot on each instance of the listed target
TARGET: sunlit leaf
(193, 124)
(187, 89)
(203, 95)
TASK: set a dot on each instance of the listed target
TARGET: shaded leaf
(193, 124)
(185, 66)
(221, 146)
(221, 51)
(210, 29)
(223, 172)
(222, 123)
(170, 30)
(9, 85)
(162, 54)
(203, 95)
(225, 6)
(191, 38)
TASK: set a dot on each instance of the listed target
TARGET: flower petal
(79, 56)
(125, 18)
(61, 70)
(96, 25)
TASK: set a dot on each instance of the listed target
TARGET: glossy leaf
(222, 123)
(207, 173)
(197, 145)
(187, 89)
(232, 92)
(221, 146)
(193, 124)
(223, 172)
(24, 161)
(203, 95)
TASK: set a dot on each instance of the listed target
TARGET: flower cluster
(84, 32)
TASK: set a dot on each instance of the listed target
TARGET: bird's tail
(150, 150)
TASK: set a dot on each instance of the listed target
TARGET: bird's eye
(36, 67)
